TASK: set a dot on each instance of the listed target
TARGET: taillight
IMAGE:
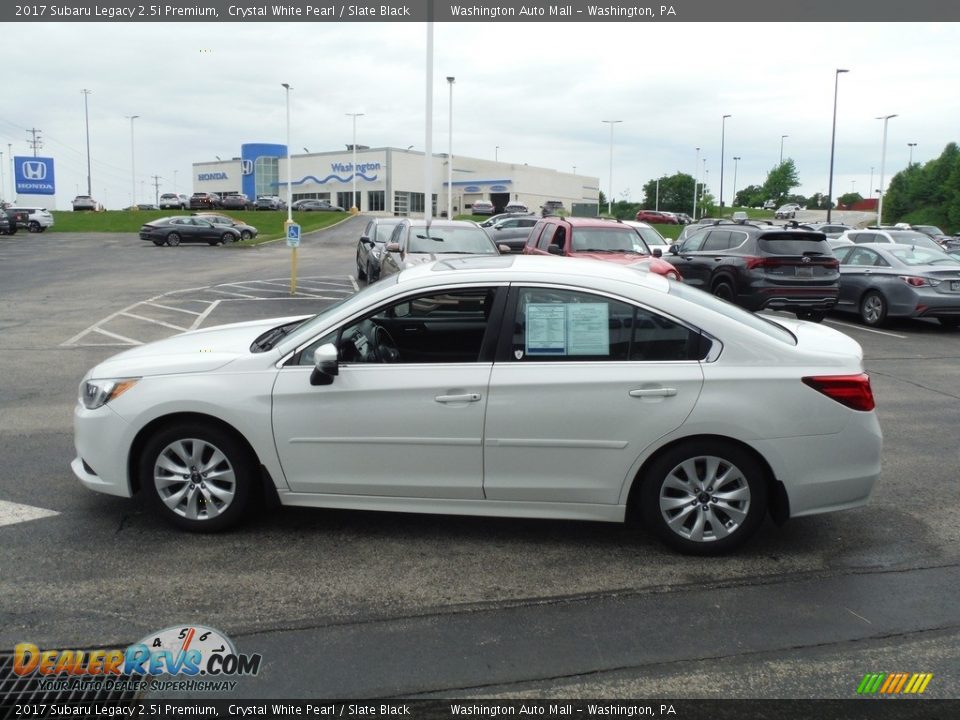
(762, 262)
(850, 390)
(915, 281)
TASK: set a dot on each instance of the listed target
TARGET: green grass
(270, 224)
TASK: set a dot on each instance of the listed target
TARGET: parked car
(769, 204)
(934, 232)
(412, 243)
(684, 219)
(247, 232)
(515, 206)
(494, 219)
(205, 201)
(185, 228)
(316, 206)
(891, 236)
(8, 222)
(831, 230)
(650, 236)
(482, 207)
(786, 212)
(512, 232)
(236, 201)
(882, 280)
(657, 217)
(146, 206)
(552, 207)
(500, 386)
(34, 219)
(602, 239)
(174, 201)
(270, 202)
(758, 267)
(370, 247)
(84, 202)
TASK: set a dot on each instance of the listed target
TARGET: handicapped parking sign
(293, 235)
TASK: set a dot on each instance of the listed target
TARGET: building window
(376, 200)
(343, 200)
(311, 196)
(267, 174)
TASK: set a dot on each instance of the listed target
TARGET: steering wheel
(385, 348)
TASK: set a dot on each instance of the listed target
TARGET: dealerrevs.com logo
(894, 683)
(187, 651)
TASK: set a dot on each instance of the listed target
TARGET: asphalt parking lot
(356, 604)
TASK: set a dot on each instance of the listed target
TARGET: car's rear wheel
(173, 239)
(811, 315)
(724, 291)
(704, 497)
(873, 309)
(199, 476)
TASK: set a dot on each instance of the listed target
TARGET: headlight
(97, 393)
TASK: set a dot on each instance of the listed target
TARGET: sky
(538, 91)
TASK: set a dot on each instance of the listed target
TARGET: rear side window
(547, 236)
(567, 325)
(717, 240)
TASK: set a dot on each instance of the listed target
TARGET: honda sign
(34, 175)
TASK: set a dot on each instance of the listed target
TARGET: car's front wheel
(34, 227)
(704, 497)
(246, 235)
(173, 239)
(361, 273)
(200, 476)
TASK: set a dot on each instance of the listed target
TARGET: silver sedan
(882, 280)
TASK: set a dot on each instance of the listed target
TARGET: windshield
(614, 239)
(930, 229)
(711, 302)
(922, 256)
(911, 237)
(384, 231)
(460, 240)
(651, 237)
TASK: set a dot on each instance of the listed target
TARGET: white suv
(174, 201)
(36, 220)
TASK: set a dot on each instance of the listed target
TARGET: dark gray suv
(759, 267)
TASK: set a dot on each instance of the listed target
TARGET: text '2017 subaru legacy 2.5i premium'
(760, 267)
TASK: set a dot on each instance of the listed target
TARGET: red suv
(655, 216)
(596, 238)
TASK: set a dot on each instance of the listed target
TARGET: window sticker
(546, 325)
(567, 329)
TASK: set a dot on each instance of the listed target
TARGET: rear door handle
(464, 398)
(654, 392)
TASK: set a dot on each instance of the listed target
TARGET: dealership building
(389, 181)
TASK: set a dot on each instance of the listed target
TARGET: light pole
(286, 87)
(696, 177)
(133, 165)
(871, 190)
(450, 80)
(911, 146)
(611, 123)
(782, 137)
(86, 116)
(723, 135)
(656, 205)
(833, 139)
(174, 181)
(353, 198)
(496, 154)
(883, 158)
(736, 163)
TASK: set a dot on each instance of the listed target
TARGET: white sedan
(502, 386)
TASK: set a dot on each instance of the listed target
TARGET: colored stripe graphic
(894, 683)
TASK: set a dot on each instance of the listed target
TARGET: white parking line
(227, 292)
(12, 513)
(866, 329)
(152, 320)
(183, 310)
(203, 315)
(129, 341)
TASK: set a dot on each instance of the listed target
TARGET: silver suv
(174, 201)
(84, 202)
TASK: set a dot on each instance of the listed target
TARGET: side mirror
(555, 250)
(366, 240)
(326, 365)
(674, 250)
(504, 249)
(393, 247)
(657, 252)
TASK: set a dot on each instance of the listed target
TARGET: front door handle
(464, 398)
(654, 392)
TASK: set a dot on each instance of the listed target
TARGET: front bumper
(102, 441)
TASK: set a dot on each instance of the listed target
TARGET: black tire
(724, 291)
(811, 315)
(246, 235)
(708, 524)
(228, 238)
(240, 484)
(159, 243)
(173, 239)
(949, 322)
(34, 227)
(873, 309)
(361, 273)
